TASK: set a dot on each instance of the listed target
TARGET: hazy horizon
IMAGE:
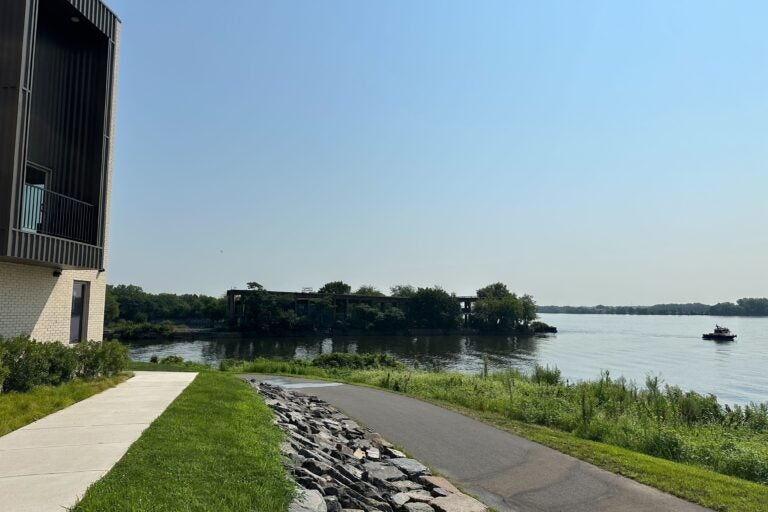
(585, 153)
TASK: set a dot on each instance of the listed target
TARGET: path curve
(507, 472)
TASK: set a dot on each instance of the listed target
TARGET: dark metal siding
(67, 117)
(13, 25)
(98, 14)
(61, 121)
(55, 251)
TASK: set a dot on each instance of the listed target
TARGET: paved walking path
(49, 464)
(507, 472)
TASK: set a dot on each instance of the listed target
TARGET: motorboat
(720, 334)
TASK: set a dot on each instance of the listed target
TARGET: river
(669, 347)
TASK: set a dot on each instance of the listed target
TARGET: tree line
(742, 307)
(497, 310)
(131, 310)
(130, 303)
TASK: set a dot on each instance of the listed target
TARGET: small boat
(720, 334)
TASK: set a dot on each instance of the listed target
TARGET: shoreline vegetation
(709, 450)
(334, 309)
(680, 442)
(754, 307)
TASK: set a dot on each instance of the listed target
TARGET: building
(58, 70)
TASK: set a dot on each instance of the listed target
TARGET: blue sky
(583, 152)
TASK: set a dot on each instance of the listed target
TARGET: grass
(215, 448)
(712, 453)
(19, 409)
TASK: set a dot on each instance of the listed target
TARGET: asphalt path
(505, 471)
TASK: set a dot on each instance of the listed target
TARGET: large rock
(399, 499)
(410, 466)
(308, 501)
(377, 470)
(438, 481)
(417, 507)
(458, 503)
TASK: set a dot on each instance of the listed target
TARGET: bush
(355, 361)
(4, 371)
(114, 358)
(545, 375)
(172, 360)
(62, 363)
(25, 363)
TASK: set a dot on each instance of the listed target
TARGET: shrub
(546, 375)
(89, 364)
(355, 361)
(113, 358)
(153, 359)
(62, 362)
(4, 371)
(26, 362)
(172, 360)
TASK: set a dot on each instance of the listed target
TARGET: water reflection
(633, 347)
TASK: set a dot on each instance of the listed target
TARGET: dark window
(79, 311)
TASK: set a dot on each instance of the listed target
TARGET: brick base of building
(35, 302)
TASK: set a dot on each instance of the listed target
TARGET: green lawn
(19, 409)
(214, 449)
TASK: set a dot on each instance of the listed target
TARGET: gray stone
(458, 503)
(373, 454)
(417, 507)
(377, 470)
(351, 471)
(308, 501)
(438, 481)
(407, 485)
(410, 466)
(396, 454)
(399, 499)
(420, 495)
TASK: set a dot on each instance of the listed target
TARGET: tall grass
(654, 419)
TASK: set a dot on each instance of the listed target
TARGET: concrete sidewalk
(49, 464)
(505, 471)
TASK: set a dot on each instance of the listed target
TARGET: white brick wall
(34, 302)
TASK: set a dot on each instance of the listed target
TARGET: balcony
(56, 230)
(49, 213)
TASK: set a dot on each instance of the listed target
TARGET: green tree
(499, 310)
(498, 314)
(433, 308)
(529, 309)
(336, 288)
(493, 291)
(369, 290)
(393, 320)
(402, 290)
(111, 307)
(364, 317)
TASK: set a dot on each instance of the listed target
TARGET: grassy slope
(19, 409)
(699, 485)
(215, 448)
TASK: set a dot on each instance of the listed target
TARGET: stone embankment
(340, 467)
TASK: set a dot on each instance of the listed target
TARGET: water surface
(631, 346)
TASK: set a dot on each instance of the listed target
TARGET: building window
(79, 321)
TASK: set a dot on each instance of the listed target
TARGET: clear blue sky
(583, 152)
